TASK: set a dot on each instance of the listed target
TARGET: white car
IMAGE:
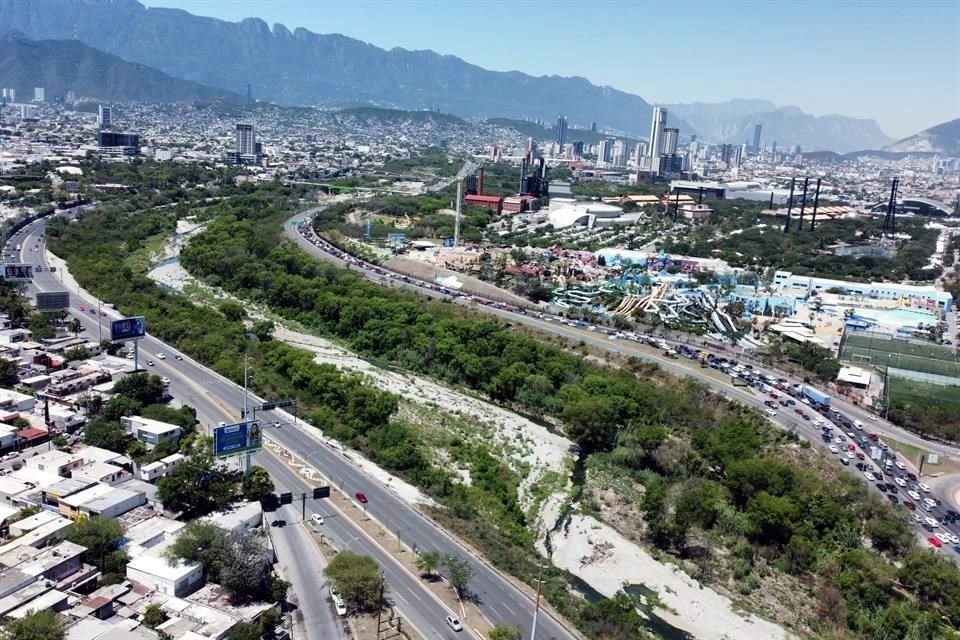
(833, 449)
(150, 363)
(917, 518)
(851, 455)
(858, 425)
(924, 487)
(771, 412)
(165, 380)
(869, 476)
(340, 606)
(317, 518)
(942, 538)
(840, 438)
(932, 522)
(914, 495)
(454, 623)
(162, 356)
(900, 482)
(954, 539)
(900, 465)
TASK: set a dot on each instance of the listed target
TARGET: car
(924, 488)
(833, 449)
(900, 482)
(361, 498)
(103, 313)
(82, 308)
(165, 380)
(941, 537)
(844, 462)
(952, 537)
(179, 357)
(13, 455)
(909, 505)
(914, 495)
(771, 412)
(840, 438)
(150, 363)
(860, 455)
(278, 523)
(93, 312)
(317, 518)
(851, 447)
(858, 425)
(850, 455)
(340, 606)
(869, 476)
(900, 465)
(275, 424)
(917, 518)
(935, 542)
(912, 476)
(454, 623)
(162, 356)
(932, 522)
(881, 487)
(892, 498)
(956, 549)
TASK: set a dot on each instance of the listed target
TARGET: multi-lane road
(217, 399)
(307, 239)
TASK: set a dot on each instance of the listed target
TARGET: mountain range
(303, 68)
(67, 65)
(943, 138)
(734, 121)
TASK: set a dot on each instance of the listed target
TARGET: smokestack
(480, 182)
(456, 222)
(786, 227)
(771, 201)
(803, 203)
(816, 203)
(543, 169)
(523, 174)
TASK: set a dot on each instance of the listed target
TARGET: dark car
(362, 499)
(909, 505)
(278, 523)
(892, 499)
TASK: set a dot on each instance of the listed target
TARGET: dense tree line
(708, 465)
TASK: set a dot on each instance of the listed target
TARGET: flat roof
(854, 375)
(157, 566)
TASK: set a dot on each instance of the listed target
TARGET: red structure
(494, 203)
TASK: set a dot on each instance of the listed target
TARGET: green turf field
(915, 356)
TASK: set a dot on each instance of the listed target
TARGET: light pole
(383, 577)
(536, 611)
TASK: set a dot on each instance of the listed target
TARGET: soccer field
(901, 354)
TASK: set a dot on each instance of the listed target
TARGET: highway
(304, 236)
(218, 399)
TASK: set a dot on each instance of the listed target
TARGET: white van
(858, 425)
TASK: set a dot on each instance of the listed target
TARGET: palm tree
(75, 327)
(429, 561)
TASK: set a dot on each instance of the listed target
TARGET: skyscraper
(105, 117)
(756, 136)
(593, 127)
(670, 139)
(561, 130)
(619, 153)
(39, 94)
(655, 148)
(249, 93)
(245, 140)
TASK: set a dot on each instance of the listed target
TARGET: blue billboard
(128, 328)
(234, 439)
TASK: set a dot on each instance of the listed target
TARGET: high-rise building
(561, 130)
(593, 127)
(39, 94)
(619, 153)
(577, 148)
(27, 111)
(738, 153)
(670, 139)
(249, 93)
(12, 95)
(245, 140)
(71, 96)
(105, 117)
(655, 147)
(757, 128)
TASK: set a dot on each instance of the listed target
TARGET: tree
(153, 616)
(8, 372)
(429, 561)
(245, 631)
(263, 329)
(142, 387)
(60, 442)
(232, 311)
(77, 353)
(246, 567)
(201, 542)
(460, 574)
(503, 632)
(102, 538)
(196, 487)
(357, 578)
(75, 327)
(40, 327)
(105, 434)
(257, 484)
(39, 625)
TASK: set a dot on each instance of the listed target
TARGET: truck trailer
(816, 396)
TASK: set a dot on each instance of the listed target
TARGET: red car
(912, 476)
(851, 447)
(82, 308)
(860, 456)
(909, 505)
(362, 499)
(934, 542)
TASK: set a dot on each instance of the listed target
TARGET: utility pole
(380, 602)
(456, 222)
(536, 611)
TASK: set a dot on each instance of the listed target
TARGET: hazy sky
(897, 62)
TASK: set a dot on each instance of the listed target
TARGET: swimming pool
(899, 317)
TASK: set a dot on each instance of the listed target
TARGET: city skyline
(740, 52)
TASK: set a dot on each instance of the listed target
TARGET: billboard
(234, 439)
(52, 301)
(128, 328)
(18, 272)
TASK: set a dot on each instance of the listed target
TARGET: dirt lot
(426, 271)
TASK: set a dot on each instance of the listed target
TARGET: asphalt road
(218, 399)
(718, 382)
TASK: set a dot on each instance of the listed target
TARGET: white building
(39, 94)
(923, 297)
(150, 432)
(156, 470)
(152, 570)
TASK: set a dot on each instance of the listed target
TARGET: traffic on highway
(792, 406)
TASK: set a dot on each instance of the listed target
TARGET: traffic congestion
(854, 446)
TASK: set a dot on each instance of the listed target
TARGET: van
(858, 425)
